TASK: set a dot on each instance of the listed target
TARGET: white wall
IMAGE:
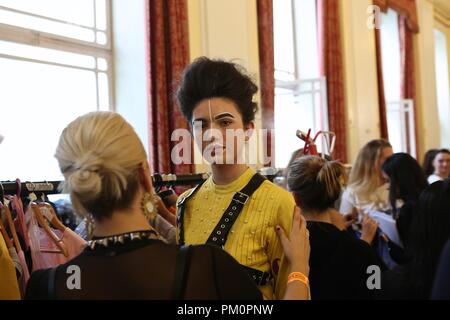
(429, 129)
(130, 65)
(442, 83)
(361, 88)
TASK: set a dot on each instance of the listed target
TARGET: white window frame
(46, 40)
(318, 86)
(405, 109)
(309, 87)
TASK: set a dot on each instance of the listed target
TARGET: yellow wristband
(298, 276)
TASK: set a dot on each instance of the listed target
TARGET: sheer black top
(145, 269)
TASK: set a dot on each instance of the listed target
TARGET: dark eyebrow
(224, 115)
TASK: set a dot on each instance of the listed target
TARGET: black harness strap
(220, 233)
(180, 213)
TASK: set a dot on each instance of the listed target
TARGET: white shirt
(376, 201)
(433, 178)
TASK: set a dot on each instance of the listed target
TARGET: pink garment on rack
(44, 252)
(19, 221)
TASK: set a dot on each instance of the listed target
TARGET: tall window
(400, 112)
(443, 85)
(56, 64)
(300, 92)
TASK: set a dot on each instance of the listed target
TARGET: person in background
(429, 233)
(338, 261)
(107, 175)
(428, 159)
(441, 288)
(366, 190)
(406, 181)
(441, 165)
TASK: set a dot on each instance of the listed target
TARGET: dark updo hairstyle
(205, 78)
(315, 182)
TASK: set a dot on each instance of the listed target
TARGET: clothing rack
(159, 180)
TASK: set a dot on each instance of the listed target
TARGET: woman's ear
(249, 127)
(297, 199)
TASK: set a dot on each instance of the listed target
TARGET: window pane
(48, 26)
(48, 55)
(76, 11)
(390, 47)
(307, 39)
(102, 64)
(34, 112)
(443, 85)
(284, 39)
(101, 38)
(291, 114)
(103, 91)
(396, 129)
(100, 11)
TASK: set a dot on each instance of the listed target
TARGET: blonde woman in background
(367, 190)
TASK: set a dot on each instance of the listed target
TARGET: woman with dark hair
(429, 233)
(407, 181)
(235, 209)
(441, 166)
(428, 162)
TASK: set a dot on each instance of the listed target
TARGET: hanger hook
(19, 188)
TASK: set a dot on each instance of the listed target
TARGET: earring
(148, 206)
(90, 226)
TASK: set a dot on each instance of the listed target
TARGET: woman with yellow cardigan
(235, 208)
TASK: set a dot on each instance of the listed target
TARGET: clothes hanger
(11, 226)
(51, 217)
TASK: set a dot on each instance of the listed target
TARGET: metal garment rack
(52, 187)
(159, 181)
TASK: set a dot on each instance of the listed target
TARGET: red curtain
(381, 96)
(267, 70)
(331, 65)
(167, 55)
(408, 74)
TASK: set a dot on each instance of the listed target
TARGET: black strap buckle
(240, 197)
(259, 277)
